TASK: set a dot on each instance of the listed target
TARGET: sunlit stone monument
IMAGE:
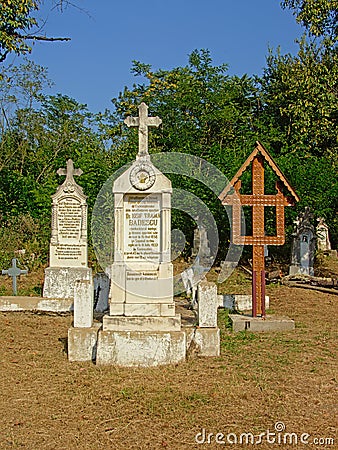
(68, 245)
(142, 327)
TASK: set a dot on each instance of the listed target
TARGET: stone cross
(69, 172)
(14, 272)
(143, 122)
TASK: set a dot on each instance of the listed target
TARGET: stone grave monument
(323, 240)
(68, 260)
(201, 249)
(142, 327)
(303, 245)
(142, 324)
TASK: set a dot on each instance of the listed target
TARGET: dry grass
(49, 403)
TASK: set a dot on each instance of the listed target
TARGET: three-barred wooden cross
(258, 200)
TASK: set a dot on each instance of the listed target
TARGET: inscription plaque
(142, 227)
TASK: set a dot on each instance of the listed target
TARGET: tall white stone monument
(142, 327)
(141, 298)
(68, 245)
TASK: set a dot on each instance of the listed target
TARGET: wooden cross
(69, 171)
(14, 272)
(258, 200)
(143, 122)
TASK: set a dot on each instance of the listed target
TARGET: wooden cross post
(143, 122)
(258, 200)
(14, 272)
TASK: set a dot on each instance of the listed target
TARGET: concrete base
(238, 302)
(203, 341)
(140, 348)
(82, 343)
(122, 323)
(60, 281)
(270, 323)
(21, 303)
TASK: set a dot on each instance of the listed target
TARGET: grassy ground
(259, 380)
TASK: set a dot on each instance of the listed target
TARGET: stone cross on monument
(14, 272)
(69, 172)
(143, 122)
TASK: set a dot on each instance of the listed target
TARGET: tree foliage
(18, 26)
(319, 17)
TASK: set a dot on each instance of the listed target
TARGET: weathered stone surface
(207, 304)
(83, 304)
(140, 348)
(239, 302)
(60, 281)
(82, 343)
(203, 341)
(101, 291)
(259, 324)
(22, 303)
(122, 323)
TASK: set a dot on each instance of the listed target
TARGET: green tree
(18, 26)
(319, 17)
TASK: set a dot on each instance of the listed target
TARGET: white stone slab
(24, 303)
(83, 304)
(238, 302)
(59, 281)
(207, 304)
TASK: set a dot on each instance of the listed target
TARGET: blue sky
(95, 65)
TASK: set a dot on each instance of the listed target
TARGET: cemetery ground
(259, 380)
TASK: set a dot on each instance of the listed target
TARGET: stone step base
(269, 323)
(141, 323)
(24, 303)
(140, 348)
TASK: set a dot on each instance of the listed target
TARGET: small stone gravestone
(201, 249)
(303, 245)
(68, 246)
(323, 240)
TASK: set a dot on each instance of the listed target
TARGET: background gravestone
(68, 254)
(323, 240)
(303, 245)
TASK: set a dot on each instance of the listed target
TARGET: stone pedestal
(140, 348)
(82, 343)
